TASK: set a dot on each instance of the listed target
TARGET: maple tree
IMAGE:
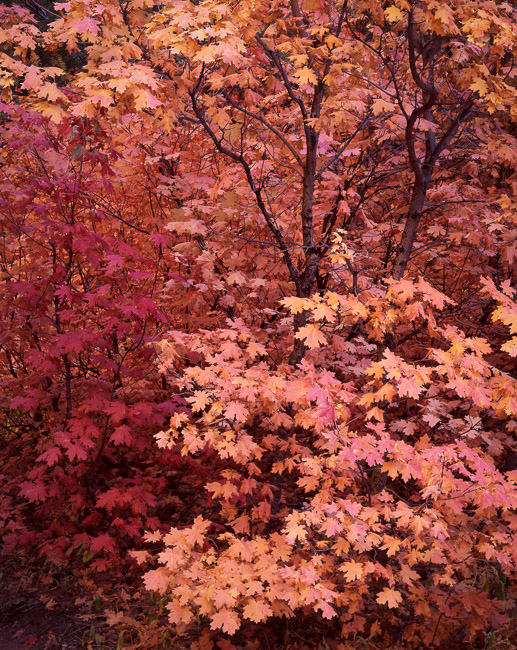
(259, 261)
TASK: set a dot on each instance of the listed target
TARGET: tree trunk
(414, 216)
(299, 347)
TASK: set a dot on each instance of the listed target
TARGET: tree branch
(239, 158)
(269, 126)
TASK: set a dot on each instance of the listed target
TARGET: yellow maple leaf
(299, 59)
(332, 41)
(510, 347)
(52, 111)
(119, 84)
(391, 467)
(306, 76)
(294, 529)
(444, 15)
(308, 483)
(341, 547)
(393, 14)
(196, 533)
(51, 92)
(391, 545)
(479, 86)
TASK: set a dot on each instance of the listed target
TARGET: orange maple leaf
(257, 610)
(236, 411)
(311, 335)
(225, 620)
(306, 76)
(296, 305)
(390, 597)
(353, 570)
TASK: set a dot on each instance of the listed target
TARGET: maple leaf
(50, 110)
(510, 347)
(103, 543)
(322, 311)
(380, 106)
(109, 499)
(241, 525)
(33, 491)
(296, 305)
(117, 410)
(330, 527)
(236, 278)
(193, 226)
(51, 456)
(309, 483)
(311, 335)
(475, 601)
(236, 411)
(479, 86)
(157, 580)
(352, 570)
(224, 598)
(199, 400)
(114, 263)
(179, 613)
(75, 449)
(391, 545)
(408, 575)
(408, 387)
(122, 436)
(256, 349)
(393, 14)
(144, 99)
(102, 97)
(306, 76)
(326, 609)
(295, 530)
(257, 610)
(85, 26)
(226, 620)
(195, 534)
(390, 597)
(26, 403)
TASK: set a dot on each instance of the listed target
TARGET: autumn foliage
(259, 310)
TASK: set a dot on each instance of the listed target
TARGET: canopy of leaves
(259, 319)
